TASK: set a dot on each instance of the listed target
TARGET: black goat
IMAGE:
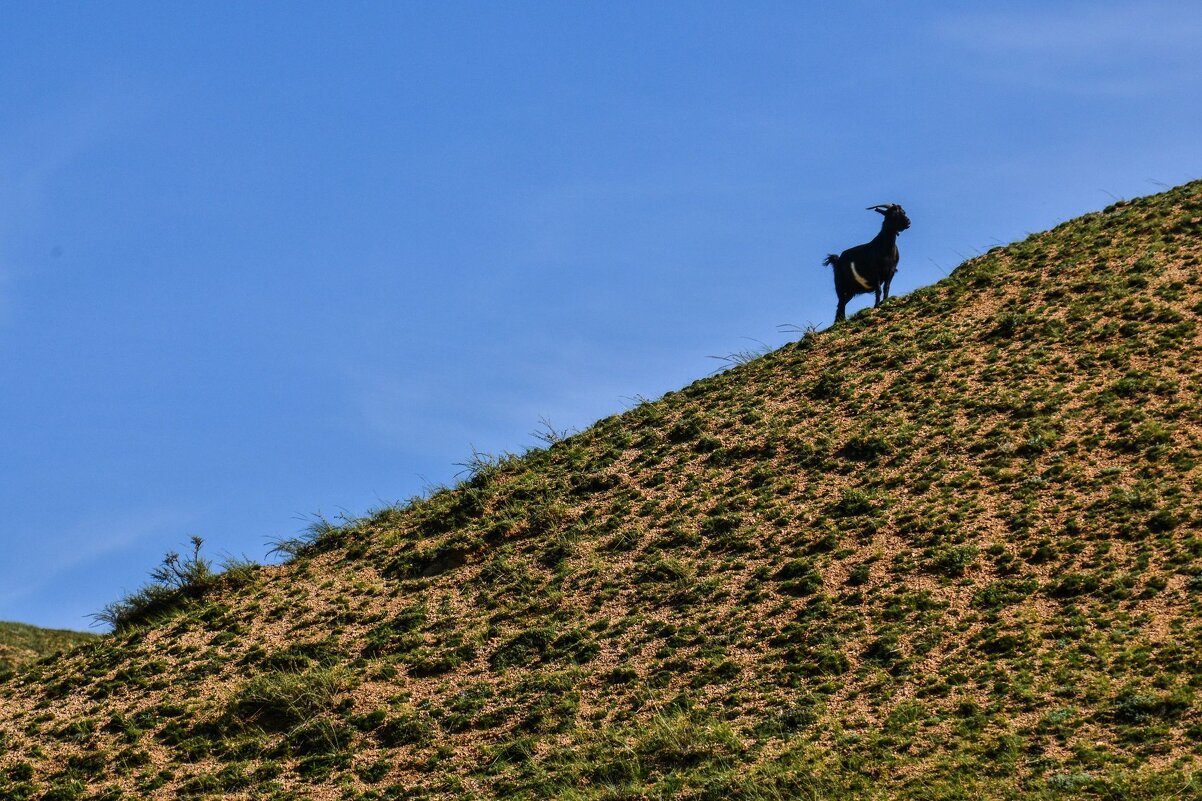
(869, 267)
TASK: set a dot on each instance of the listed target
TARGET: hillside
(948, 549)
(21, 644)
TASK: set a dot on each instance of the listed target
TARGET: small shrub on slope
(176, 582)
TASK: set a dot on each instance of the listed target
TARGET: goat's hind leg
(844, 296)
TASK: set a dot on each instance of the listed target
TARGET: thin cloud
(1076, 33)
(1120, 50)
(87, 541)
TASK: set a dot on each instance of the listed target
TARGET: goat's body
(863, 269)
(869, 267)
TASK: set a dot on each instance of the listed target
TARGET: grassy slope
(945, 550)
(21, 644)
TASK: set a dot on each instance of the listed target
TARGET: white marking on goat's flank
(859, 278)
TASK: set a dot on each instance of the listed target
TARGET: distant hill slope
(21, 644)
(947, 550)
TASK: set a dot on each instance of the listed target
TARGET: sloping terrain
(21, 644)
(949, 549)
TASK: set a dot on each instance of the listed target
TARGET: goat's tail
(831, 259)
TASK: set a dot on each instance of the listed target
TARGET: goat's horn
(878, 207)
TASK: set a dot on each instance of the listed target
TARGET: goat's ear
(881, 209)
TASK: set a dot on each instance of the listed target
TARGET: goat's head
(895, 216)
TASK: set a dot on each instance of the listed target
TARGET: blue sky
(261, 261)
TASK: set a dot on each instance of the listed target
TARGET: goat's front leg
(878, 296)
